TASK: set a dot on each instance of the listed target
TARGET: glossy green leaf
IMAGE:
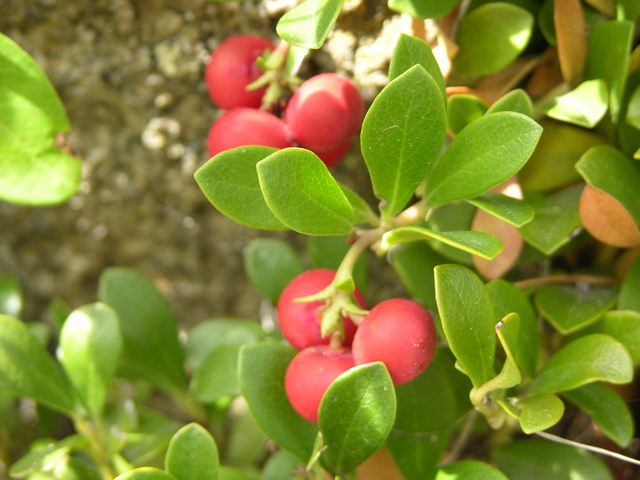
(588, 359)
(295, 58)
(483, 155)
(422, 9)
(270, 264)
(309, 23)
(217, 375)
(555, 219)
(539, 412)
(410, 51)
(301, 192)
(572, 307)
(415, 453)
(452, 216)
(26, 368)
(261, 371)
(152, 351)
(462, 109)
(629, 298)
(511, 210)
(329, 251)
(609, 170)
(10, 296)
(192, 454)
(584, 106)
(402, 134)
(467, 320)
(506, 298)
(491, 37)
(362, 212)
(230, 182)
(469, 469)
(538, 459)
(89, 350)
(624, 326)
(516, 100)
(508, 331)
(146, 473)
(607, 409)
(34, 170)
(477, 243)
(355, 416)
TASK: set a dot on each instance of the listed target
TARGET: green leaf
(26, 368)
(89, 350)
(402, 134)
(228, 473)
(484, 154)
(34, 170)
(453, 216)
(271, 264)
(355, 416)
(301, 192)
(491, 37)
(261, 371)
(633, 109)
(607, 169)
(410, 51)
(585, 360)
(192, 454)
(572, 307)
(508, 331)
(469, 469)
(151, 350)
(362, 212)
(539, 412)
(607, 409)
(37, 459)
(477, 243)
(467, 320)
(217, 375)
(295, 58)
(422, 9)
(10, 296)
(555, 219)
(416, 454)
(280, 466)
(539, 459)
(630, 290)
(329, 251)
(624, 326)
(230, 182)
(511, 210)
(584, 106)
(308, 24)
(462, 109)
(146, 473)
(516, 100)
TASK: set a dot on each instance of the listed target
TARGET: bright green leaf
(462, 109)
(309, 23)
(10, 296)
(422, 9)
(451, 217)
(539, 412)
(584, 106)
(355, 416)
(402, 134)
(633, 109)
(301, 192)
(217, 375)
(48, 453)
(192, 454)
(624, 326)
(228, 473)
(484, 154)
(362, 212)
(146, 473)
(585, 360)
(511, 210)
(471, 469)
(516, 100)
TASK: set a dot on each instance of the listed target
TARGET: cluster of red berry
(323, 114)
(398, 332)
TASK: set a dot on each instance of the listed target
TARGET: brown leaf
(571, 34)
(494, 86)
(606, 219)
(546, 75)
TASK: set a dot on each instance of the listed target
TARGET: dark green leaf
(585, 360)
(151, 350)
(10, 296)
(261, 373)
(192, 454)
(217, 375)
(230, 182)
(280, 466)
(402, 134)
(469, 469)
(416, 454)
(355, 416)
(422, 9)
(511, 210)
(301, 192)
(89, 350)
(630, 290)
(515, 101)
(329, 251)
(146, 473)
(34, 170)
(462, 109)
(308, 24)
(539, 412)
(584, 106)
(484, 154)
(624, 326)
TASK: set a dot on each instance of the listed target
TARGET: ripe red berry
(324, 112)
(247, 126)
(309, 375)
(232, 67)
(300, 321)
(401, 334)
(333, 155)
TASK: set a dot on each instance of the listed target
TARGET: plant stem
(568, 278)
(94, 433)
(462, 439)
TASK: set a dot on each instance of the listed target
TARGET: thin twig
(569, 278)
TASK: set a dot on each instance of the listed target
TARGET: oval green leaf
(624, 326)
(402, 134)
(217, 375)
(308, 24)
(539, 412)
(511, 210)
(584, 106)
(469, 469)
(355, 416)
(516, 100)
(462, 109)
(486, 153)
(192, 454)
(146, 473)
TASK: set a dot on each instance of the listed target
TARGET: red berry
(333, 155)
(247, 126)
(401, 334)
(309, 375)
(300, 321)
(324, 112)
(232, 67)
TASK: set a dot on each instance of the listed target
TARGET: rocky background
(130, 74)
